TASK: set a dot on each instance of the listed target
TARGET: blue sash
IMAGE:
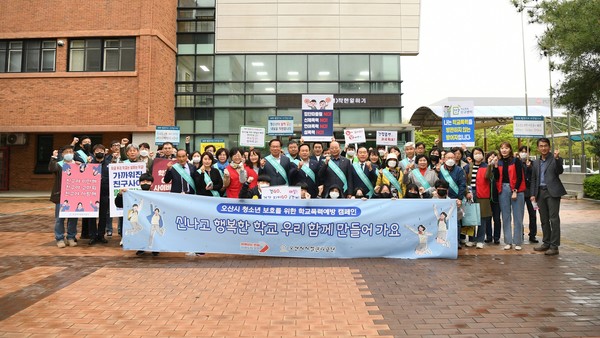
(417, 173)
(364, 179)
(393, 181)
(308, 171)
(278, 168)
(83, 155)
(208, 181)
(404, 163)
(339, 174)
(185, 175)
(449, 179)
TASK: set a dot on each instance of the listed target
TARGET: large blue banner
(316, 228)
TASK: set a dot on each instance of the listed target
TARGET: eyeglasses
(116, 145)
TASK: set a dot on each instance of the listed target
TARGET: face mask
(99, 156)
(523, 156)
(87, 147)
(412, 195)
(434, 158)
(442, 192)
(263, 185)
(478, 157)
(144, 153)
(386, 195)
(392, 164)
(68, 157)
(334, 194)
(350, 153)
(450, 163)
(196, 159)
(145, 186)
(381, 152)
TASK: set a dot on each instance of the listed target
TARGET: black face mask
(442, 192)
(386, 195)
(145, 186)
(434, 158)
(87, 147)
(412, 195)
(99, 156)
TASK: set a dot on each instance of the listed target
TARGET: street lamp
(546, 53)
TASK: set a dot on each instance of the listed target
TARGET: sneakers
(479, 246)
(543, 247)
(109, 233)
(61, 243)
(533, 240)
(72, 242)
(469, 244)
(518, 248)
(507, 247)
(551, 252)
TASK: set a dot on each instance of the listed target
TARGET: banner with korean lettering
(80, 190)
(387, 138)
(529, 126)
(123, 176)
(458, 124)
(159, 170)
(314, 228)
(252, 137)
(280, 125)
(167, 134)
(317, 118)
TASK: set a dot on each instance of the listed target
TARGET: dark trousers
(496, 229)
(549, 216)
(97, 230)
(532, 218)
(86, 224)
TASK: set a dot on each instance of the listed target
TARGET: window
(102, 55)
(27, 56)
(43, 153)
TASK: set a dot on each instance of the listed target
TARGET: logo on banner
(260, 247)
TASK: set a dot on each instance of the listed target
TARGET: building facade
(114, 69)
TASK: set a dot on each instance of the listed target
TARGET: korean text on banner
(387, 138)
(352, 136)
(280, 192)
(529, 126)
(123, 176)
(80, 190)
(280, 125)
(166, 134)
(218, 143)
(313, 228)
(159, 169)
(252, 137)
(317, 118)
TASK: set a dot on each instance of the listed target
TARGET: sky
(472, 48)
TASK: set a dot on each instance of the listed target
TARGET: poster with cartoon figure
(80, 190)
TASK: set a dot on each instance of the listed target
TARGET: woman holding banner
(207, 179)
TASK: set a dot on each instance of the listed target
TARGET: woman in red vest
(481, 189)
(234, 174)
(511, 189)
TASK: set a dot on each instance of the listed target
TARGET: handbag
(472, 217)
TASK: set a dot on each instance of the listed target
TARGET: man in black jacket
(337, 171)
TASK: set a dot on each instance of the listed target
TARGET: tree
(572, 36)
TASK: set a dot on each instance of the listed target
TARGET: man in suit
(317, 152)
(180, 174)
(546, 190)
(365, 181)
(307, 171)
(336, 171)
(276, 165)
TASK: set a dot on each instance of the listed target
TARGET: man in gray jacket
(546, 190)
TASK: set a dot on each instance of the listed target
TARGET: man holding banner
(180, 174)
(278, 167)
(336, 171)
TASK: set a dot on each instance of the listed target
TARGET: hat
(391, 156)
(409, 144)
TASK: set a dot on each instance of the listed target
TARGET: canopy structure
(489, 111)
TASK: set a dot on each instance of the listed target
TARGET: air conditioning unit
(16, 139)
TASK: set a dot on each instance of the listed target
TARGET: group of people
(502, 182)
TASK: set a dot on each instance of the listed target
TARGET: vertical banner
(529, 127)
(353, 136)
(166, 134)
(458, 124)
(123, 175)
(252, 137)
(159, 169)
(80, 190)
(310, 228)
(280, 126)
(317, 118)
(387, 138)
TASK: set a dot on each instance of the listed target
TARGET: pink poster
(80, 190)
(159, 169)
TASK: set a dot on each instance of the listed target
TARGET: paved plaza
(103, 291)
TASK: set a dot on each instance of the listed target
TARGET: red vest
(512, 177)
(482, 183)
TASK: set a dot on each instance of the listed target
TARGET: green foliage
(595, 143)
(591, 187)
(425, 138)
(571, 38)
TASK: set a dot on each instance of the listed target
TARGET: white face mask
(450, 163)
(196, 159)
(478, 157)
(68, 157)
(144, 153)
(381, 152)
(392, 164)
(350, 153)
(334, 194)
(263, 185)
(523, 156)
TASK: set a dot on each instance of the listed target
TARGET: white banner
(387, 138)
(352, 136)
(252, 137)
(281, 192)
